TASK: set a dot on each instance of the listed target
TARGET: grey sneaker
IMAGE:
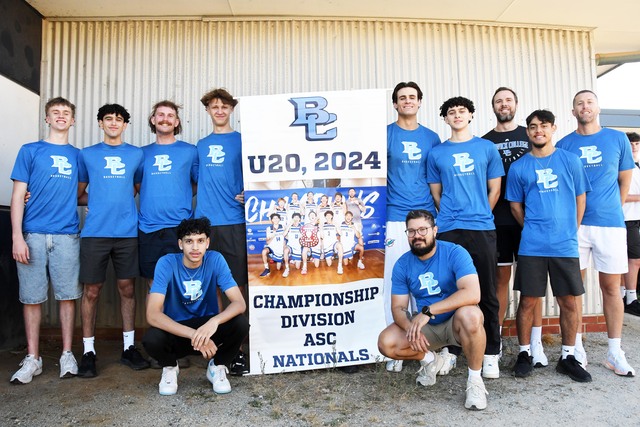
(68, 365)
(427, 373)
(394, 365)
(476, 394)
(30, 367)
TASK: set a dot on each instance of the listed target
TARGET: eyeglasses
(421, 231)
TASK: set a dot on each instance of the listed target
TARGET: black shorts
(96, 251)
(633, 239)
(231, 242)
(152, 246)
(507, 244)
(563, 273)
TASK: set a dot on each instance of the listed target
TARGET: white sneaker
(169, 382)
(30, 367)
(217, 375)
(449, 361)
(427, 373)
(581, 356)
(339, 268)
(68, 365)
(476, 394)
(286, 273)
(539, 358)
(394, 365)
(360, 264)
(490, 367)
(618, 364)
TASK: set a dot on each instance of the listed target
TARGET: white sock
(428, 358)
(526, 348)
(128, 338)
(266, 266)
(536, 335)
(568, 350)
(614, 345)
(88, 343)
(622, 291)
(579, 342)
(631, 296)
(473, 373)
(500, 330)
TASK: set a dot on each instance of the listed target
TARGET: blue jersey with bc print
(463, 169)
(434, 279)
(166, 192)
(220, 179)
(604, 154)
(548, 187)
(407, 153)
(51, 174)
(191, 293)
(111, 172)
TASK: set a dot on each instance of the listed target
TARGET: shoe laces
(221, 373)
(476, 388)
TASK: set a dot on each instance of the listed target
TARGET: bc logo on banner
(315, 202)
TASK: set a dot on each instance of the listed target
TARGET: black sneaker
(571, 367)
(87, 368)
(633, 308)
(524, 365)
(133, 359)
(239, 366)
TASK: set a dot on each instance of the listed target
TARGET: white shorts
(608, 247)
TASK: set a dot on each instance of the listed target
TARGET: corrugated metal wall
(138, 62)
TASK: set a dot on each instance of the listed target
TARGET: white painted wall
(20, 112)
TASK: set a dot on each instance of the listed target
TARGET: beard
(422, 251)
(504, 118)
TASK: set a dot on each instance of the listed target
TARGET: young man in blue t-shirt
(606, 157)
(464, 175)
(442, 279)
(111, 170)
(184, 314)
(46, 244)
(169, 176)
(408, 146)
(546, 190)
(221, 192)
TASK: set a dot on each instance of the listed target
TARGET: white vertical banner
(315, 165)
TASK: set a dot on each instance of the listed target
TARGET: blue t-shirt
(191, 293)
(407, 153)
(434, 279)
(220, 179)
(604, 154)
(51, 174)
(548, 187)
(111, 172)
(463, 169)
(166, 192)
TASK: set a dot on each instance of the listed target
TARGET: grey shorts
(54, 257)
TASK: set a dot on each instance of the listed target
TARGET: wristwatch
(426, 310)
